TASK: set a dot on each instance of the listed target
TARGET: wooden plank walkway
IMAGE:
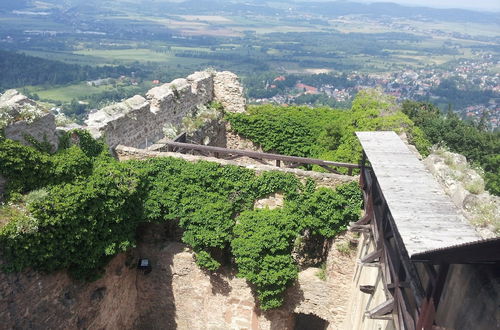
(424, 215)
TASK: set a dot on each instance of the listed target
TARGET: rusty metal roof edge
(457, 246)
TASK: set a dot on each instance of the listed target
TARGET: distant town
(472, 80)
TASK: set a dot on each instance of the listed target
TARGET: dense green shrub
(264, 239)
(27, 169)
(324, 132)
(77, 226)
(24, 167)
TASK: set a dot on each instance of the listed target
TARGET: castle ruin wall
(140, 121)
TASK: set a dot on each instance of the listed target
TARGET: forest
(21, 70)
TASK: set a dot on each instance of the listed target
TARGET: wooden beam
(403, 284)
(329, 169)
(368, 289)
(360, 228)
(381, 310)
(370, 258)
(261, 155)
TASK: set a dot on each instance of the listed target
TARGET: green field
(68, 93)
(128, 56)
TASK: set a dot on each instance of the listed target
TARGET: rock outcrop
(465, 186)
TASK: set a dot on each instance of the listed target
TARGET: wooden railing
(280, 160)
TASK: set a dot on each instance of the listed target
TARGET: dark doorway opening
(309, 322)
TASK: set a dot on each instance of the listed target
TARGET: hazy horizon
(482, 5)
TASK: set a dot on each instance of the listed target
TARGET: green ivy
(78, 225)
(92, 206)
(262, 249)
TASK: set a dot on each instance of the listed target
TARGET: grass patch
(344, 248)
(321, 273)
(484, 216)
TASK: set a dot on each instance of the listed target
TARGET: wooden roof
(424, 215)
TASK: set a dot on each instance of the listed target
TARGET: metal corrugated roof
(425, 216)
(484, 251)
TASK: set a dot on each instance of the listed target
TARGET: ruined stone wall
(140, 121)
(31, 300)
(328, 180)
(21, 117)
(42, 129)
(176, 294)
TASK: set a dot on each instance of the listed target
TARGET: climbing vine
(88, 206)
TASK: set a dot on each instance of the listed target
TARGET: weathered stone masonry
(139, 121)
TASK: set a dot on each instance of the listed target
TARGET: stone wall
(329, 180)
(42, 129)
(31, 300)
(213, 133)
(176, 294)
(21, 117)
(140, 121)
(183, 296)
(229, 92)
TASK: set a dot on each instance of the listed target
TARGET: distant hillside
(340, 8)
(20, 70)
(282, 7)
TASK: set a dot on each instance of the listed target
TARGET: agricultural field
(253, 39)
(67, 93)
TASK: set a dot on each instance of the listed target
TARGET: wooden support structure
(411, 221)
(398, 274)
(382, 311)
(360, 228)
(370, 258)
(368, 289)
